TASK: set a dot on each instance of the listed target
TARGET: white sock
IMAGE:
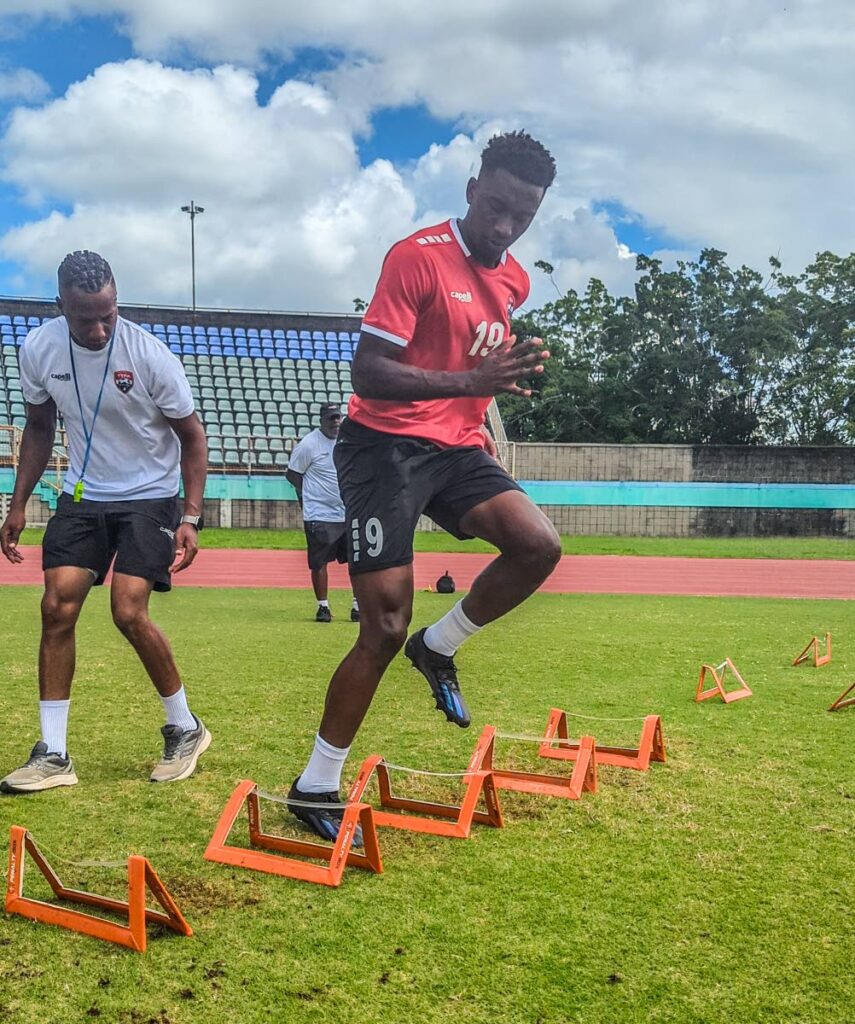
(355, 604)
(53, 716)
(323, 604)
(445, 636)
(323, 772)
(177, 711)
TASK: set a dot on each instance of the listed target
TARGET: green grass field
(690, 547)
(715, 888)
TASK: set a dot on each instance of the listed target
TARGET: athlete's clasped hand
(505, 366)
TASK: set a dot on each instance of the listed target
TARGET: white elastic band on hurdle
(718, 668)
(522, 738)
(601, 718)
(51, 856)
(290, 801)
(419, 771)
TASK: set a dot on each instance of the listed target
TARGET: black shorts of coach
(139, 535)
(388, 480)
(326, 542)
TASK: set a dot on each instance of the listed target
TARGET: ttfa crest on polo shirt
(124, 380)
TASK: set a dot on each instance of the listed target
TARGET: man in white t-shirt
(312, 472)
(132, 436)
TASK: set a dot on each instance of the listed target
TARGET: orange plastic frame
(842, 701)
(141, 876)
(479, 783)
(338, 856)
(582, 780)
(812, 648)
(718, 672)
(651, 745)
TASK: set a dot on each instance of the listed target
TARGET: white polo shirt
(135, 453)
(313, 458)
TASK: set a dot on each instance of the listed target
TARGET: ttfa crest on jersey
(510, 306)
(124, 380)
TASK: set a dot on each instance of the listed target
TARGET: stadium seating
(257, 390)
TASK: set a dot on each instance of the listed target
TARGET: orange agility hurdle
(718, 672)
(842, 701)
(812, 648)
(651, 744)
(479, 783)
(582, 780)
(338, 856)
(141, 876)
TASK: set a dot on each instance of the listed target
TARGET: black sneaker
(324, 822)
(441, 672)
(323, 614)
(354, 615)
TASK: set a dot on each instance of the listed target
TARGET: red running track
(576, 574)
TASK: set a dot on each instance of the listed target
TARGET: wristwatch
(196, 521)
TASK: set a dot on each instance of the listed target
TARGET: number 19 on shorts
(368, 539)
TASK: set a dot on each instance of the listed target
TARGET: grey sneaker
(181, 750)
(43, 770)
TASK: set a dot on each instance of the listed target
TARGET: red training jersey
(447, 312)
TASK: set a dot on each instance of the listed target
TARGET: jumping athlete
(435, 347)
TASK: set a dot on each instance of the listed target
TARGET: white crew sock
(323, 604)
(177, 711)
(355, 604)
(53, 716)
(445, 636)
(323, 772)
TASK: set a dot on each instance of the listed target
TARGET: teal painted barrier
(690, 495)
(224, 486)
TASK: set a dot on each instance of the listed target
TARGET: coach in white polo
(312, 472)
(133, 436)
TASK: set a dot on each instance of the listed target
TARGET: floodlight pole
(193, 210)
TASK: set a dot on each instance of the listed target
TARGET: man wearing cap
(312, 473)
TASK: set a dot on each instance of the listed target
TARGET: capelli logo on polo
(462, 296)
(60, 376)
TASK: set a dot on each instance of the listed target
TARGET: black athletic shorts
(139, 534)
(388, 480)
(326, 542)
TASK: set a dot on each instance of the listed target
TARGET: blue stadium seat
(278, 333)
(331, 336)
(239, 332)
(5, 318)
(199, 330)
(225, 332)
(317, 335)
(146, 327)
(171, 329)
(265, 332)
(212, 331)
(21, 330)
(291, 333)
(33, 321)
(252, 332)
(7, 329)
(305, 336)
(185, 329)
(19, 321)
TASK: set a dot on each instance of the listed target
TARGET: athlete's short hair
(84, 270)
(521, 155)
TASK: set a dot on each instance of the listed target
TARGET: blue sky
(316, 138)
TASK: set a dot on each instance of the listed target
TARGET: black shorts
(326, 542)
(139, 534)
(388, 480)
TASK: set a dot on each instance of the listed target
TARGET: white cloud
(22, 84)
(719, 122)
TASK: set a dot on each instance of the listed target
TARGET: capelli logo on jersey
(434, 239)
(60, 376)
(462, 296)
